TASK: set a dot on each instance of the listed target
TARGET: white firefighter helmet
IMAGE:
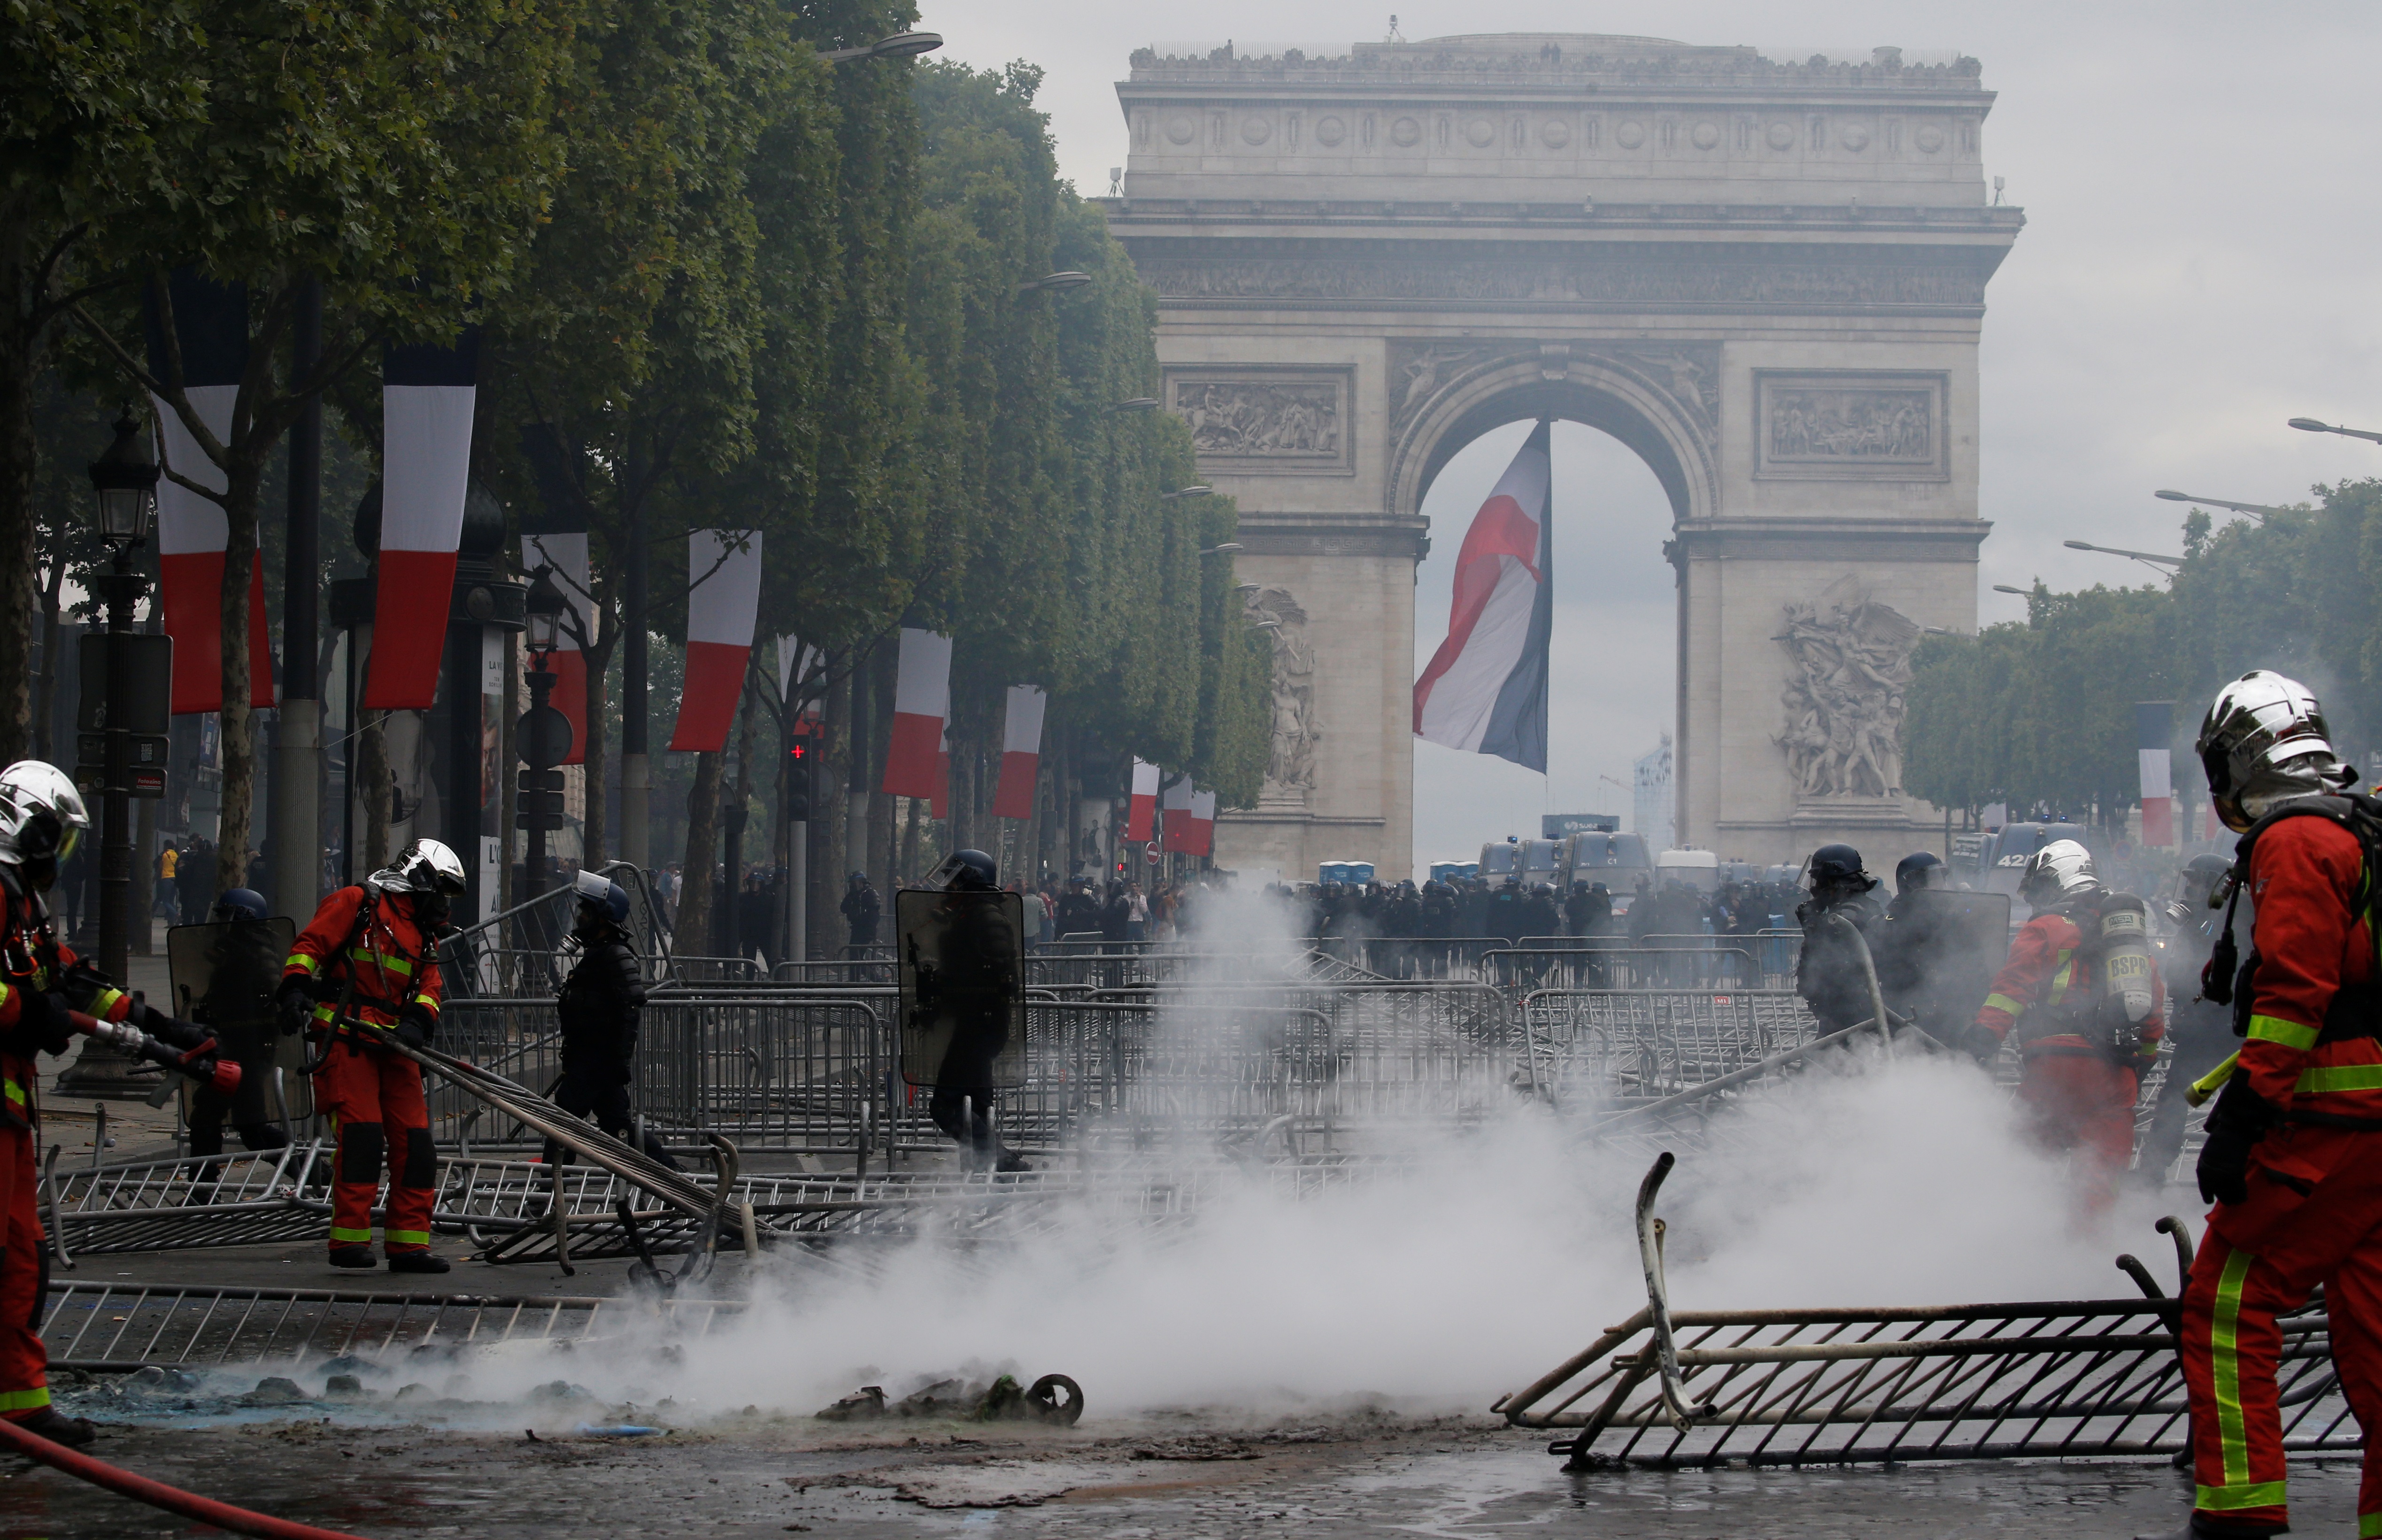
(42, 815)
(425, 866)
(2060, 871)
(2264, 742)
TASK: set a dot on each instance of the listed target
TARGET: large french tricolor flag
(211, 329)
(425, 406)
(1486, 687)
(1021, 751)
(921, 698)
(723, 604)
(1203, 825)
(567, 553)
(1174, 821)
(1142, 811)
(2153, 728)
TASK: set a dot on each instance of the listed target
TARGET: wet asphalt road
(776, 1478)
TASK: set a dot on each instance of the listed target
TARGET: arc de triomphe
(1765, 277)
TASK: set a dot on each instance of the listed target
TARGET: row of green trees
(2040, 713)
(720, 282)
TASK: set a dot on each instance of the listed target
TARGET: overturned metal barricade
(2080, 1378)
(1617, 1049)
(153, 1205)
(121, 1326)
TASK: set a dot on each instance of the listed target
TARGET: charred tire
(1057, 1399)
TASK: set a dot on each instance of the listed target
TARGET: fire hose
(206, 1063)
(156, 1493)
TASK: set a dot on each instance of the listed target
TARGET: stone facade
(1767, 279)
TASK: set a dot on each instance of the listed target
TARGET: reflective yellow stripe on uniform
(16, 1092)
(2003, 1004)
(25, 1400)
(2228, 1499)
(2224, 1342)
(300, 960)
(2062, 977)
(351, 1237)
(407, 1237)
(104, 1001)
(2340, 1077)
(394, 964)
(429, 1001)
(2290, 1035)
(2369, 1526)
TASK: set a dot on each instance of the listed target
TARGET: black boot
(263, 1136)
(416, 1262)
(353, 1256)
(2197, 1528)
(58, 1428)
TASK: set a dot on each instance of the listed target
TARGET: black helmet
(966, 872)
(239, 903)
(1919, 869)
(1836, 863)
(603, 895)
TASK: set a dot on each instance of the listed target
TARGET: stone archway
(1767, 279)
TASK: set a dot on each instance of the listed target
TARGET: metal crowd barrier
(524, 949)
(1591, 966)
(2058, 1377)
(1611, 1050)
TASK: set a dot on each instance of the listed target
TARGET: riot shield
(224, 975)
(1939, 954)
(961, 969)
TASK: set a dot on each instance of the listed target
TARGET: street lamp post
(2150, 557)
(900, 45)
(544, 733)
(2262, 511)
(1055, 283)
(124, 481)
(2310, 425)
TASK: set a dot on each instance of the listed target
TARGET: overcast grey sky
(2199, 264)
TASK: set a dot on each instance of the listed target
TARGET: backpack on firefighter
(2356, 1010)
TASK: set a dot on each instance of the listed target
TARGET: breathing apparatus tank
(2128, 966)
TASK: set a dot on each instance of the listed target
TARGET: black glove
(294, 1002)
(167, 1030)
(1980, 1042)
(416, 1025)
(2236, 1123)
(42, 1022)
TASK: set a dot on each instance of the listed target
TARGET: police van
(1619, 860)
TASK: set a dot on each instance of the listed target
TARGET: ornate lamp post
(544, 733)
(123, 484)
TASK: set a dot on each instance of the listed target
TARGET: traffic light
(798, 782)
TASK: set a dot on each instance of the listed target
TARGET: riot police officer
(244, 962)
(1829, 975)
(973, 990)
(598, 1008)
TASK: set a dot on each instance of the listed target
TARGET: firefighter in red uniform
(367, 965)
(41, 818)
(2082, 996)
(2293, 1159)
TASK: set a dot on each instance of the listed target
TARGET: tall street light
(2310, 425)
(2261, 511)
(2150, 557)
(900, 45)
(1198, 489)
(1228, 548)
(2005, 588)
(1055, 283)
(124, 483)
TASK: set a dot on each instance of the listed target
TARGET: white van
(1699, 869)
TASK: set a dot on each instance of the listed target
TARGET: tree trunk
(244, 480)
(371, 787)
(693, 926)
(24, 352)
(46, 694)
(599, 664)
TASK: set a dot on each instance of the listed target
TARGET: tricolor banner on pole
(921, 698)
(797, 661)
(567, 553)
(1174, 816)
(426, 404)
(723, 604)
(211, 330)
(2154, 731)
(1142, 811)
(1203, 823)
(1486, 687)
(1021, 751)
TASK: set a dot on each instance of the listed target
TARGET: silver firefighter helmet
(42, 814)
(2263, 742)
(425, 866)
(2060, 871)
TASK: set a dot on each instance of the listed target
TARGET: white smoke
(1474, 1263)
